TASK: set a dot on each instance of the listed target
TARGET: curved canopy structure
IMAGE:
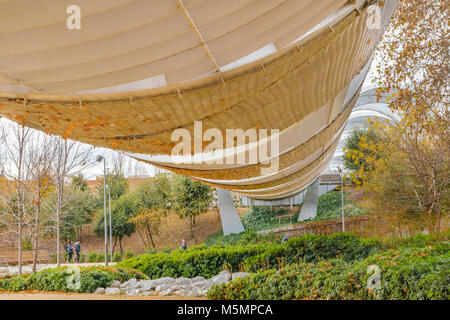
(139, 70)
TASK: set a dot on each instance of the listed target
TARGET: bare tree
(70, 158)
(16, 179)
(39, 164)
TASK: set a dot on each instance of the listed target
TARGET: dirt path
(83, 296)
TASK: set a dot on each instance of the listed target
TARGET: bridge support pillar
(309, 207)
(231, 222)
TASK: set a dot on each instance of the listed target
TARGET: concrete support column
(231, 222)
(309, 207)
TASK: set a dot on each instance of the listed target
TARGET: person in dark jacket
(77, 251)
(69, 251)
(183, 244)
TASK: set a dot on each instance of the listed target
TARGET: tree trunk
(120, 245)
(19, 234)
(149, 233)
(36, 236)
(58, 221)
(142, 237)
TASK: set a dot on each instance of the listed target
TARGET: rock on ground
(112, 291)
(167, 286)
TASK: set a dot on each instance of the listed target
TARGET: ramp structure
(137, 71)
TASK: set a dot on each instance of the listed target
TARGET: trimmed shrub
(65, 279)
(407, 273)
(208, 261)
(92, 257)
(243, 238)
(129, 254)
(117, 257)
(100, 257)
(261, 218)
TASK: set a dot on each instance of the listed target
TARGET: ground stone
(183, 281)
(100, 291)
(167, 292)
(129, 284)
(112, 291)
(222, 277)
(163, 287)
(237, 275)
(115, 284)
(197, 279)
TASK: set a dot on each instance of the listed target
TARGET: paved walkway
(85, 296)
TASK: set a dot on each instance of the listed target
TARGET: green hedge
(262, 218)
(64, 279)
(312, 248)
(406, 273)
(209, 261)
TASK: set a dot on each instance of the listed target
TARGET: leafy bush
(92, 257)
(64, 278)
(166, 250)
(312, 248)
(129, 254)
(406, 273)
(100, 257)
(117, 257)
(150, 250)
(26, 244)
(261, 218)
(329, 206)
(208, 261)
(243, 238)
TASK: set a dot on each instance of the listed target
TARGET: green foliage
(117, 184)
(92, 257)
(78, 209)
(243, 238)
(353, 144)
(329, 206)
(312, 248)
(155, 193)
(129, 254)
(150, 250)
(117, 257)
(121, 211)
(26, 244)
(79, 183)
(208, 261)
(100, 257)
(261, 218)
(191, 197)
(406, 273)
(167, 250)
(64, 278)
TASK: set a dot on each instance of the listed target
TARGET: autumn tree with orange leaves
(412, 178)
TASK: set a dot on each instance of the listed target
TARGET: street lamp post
(110, 224)
(99, 159)
(341, 176)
